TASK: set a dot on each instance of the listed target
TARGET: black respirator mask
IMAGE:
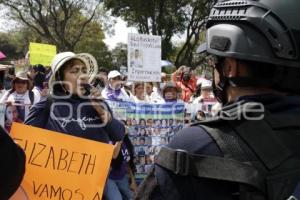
(219, 89)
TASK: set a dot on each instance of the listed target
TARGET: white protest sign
(144, 58)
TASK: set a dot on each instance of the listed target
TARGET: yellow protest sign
(41, 53)
(60, 166)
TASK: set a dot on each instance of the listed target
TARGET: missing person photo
(136, 59)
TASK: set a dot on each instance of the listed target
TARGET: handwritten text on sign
(59, 166)
(41, 53)
(144, 57)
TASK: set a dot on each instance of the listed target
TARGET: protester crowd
(29, 87)
(30, 94)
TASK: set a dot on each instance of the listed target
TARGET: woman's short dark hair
(60, 76)
(137, 84)
(102, 69)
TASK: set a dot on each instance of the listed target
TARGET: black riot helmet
(258, 30)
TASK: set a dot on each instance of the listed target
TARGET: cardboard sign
(60, 166)
(41, 53)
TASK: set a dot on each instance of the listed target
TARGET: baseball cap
(113, 74)
(206, 84)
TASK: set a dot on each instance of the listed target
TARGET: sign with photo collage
(203, 108)
(12, 113)
(150, 126)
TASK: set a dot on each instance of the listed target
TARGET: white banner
(144, 58)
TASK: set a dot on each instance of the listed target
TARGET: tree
(156, 17)
(119, 55)
(14, 43)
(166, 18)
(92, 42)
(59, 22)
(7, 47)
(196, 16)
(79, 34)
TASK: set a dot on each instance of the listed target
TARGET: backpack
(31, 95)
(261, 156)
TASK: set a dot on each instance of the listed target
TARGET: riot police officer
(250, 150)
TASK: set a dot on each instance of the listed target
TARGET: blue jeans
(118, 189)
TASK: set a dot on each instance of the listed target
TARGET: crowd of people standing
(32, 93)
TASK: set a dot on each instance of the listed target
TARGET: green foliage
(119, 55)
(60, 22)
(70, 25)
(182, 49)
(7, 46)
(15, 42)
(166, 18)
(92, 42)
(156, 17)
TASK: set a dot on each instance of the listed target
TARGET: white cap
(206, 84)
(113, 74)
(129, 83)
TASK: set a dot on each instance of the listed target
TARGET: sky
(5, 24)
(121, 32)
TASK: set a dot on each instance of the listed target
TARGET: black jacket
(12, 165)
(162, 183)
